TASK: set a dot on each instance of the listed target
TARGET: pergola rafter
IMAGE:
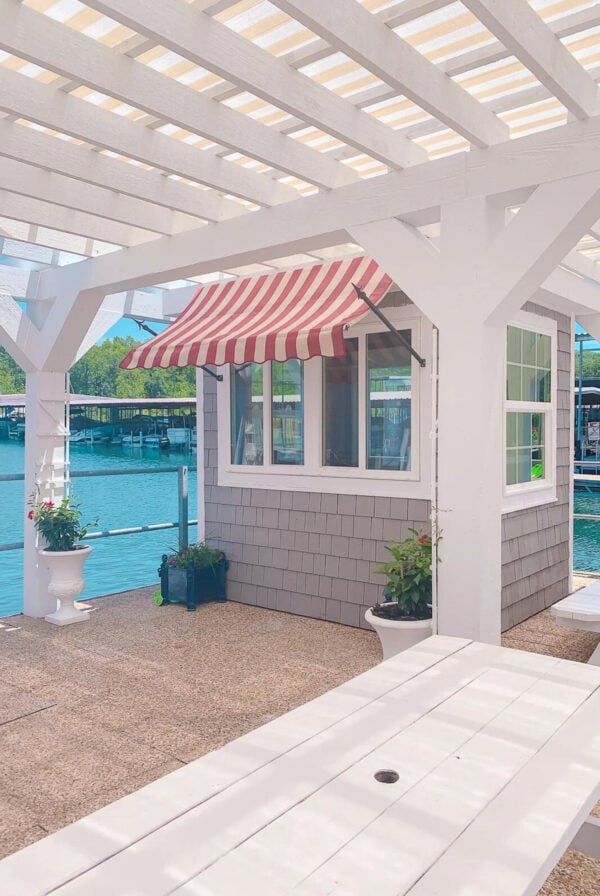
(353, 30)
(73, 55)
(197, 37)
(61, 112)
(523, 33)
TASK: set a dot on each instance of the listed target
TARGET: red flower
(48, 504)
(424, 539)
(30, 515)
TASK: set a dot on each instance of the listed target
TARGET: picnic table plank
(357, 836)
(43, 866)
(181, 849)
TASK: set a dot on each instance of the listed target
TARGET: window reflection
(389, 402)
(340, 408)
(247, 414)
(287, 411)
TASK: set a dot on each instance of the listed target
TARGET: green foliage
(58, 524)
(591, 363)
(98, 373)
(199, 555)
(410, 575)
(12, 377)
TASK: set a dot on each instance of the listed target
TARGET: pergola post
(46, 343)
(45, 432)
(469, 485)
(483, 271)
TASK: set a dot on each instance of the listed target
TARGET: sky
(126, 327)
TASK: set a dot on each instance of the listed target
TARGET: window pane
(529, 384)
(247, 414)
(513, 383)
(340, 408)
(544, 352)
(529, 347)
(525, 447)
(287, 412)
(388, 402)
(528, 375)
(543, 386)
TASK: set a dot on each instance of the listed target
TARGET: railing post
(182, 476)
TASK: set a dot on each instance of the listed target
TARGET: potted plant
(404, 616)
(60, 528)
(193, 575)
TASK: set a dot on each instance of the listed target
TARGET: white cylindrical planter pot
(66, 582)
(397, 635)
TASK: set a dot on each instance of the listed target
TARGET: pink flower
(30, 515)
(48, 504)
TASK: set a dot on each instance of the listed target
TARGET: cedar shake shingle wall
(535, 542)
(307, 553)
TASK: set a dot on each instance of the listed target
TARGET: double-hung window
(530, 407)
(328, 424)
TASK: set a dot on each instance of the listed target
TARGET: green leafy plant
(407, 593)
(198, 556)
(58, 524)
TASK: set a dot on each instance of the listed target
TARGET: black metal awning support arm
(362, 295)
(143, 326)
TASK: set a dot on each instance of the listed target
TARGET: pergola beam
(516, 167)
(14, 281)
(351, 29)
(195, 36)
(47, 43)
(525, 35)
(61, 157)
(66, 192)
(42, 104)
(45, 214)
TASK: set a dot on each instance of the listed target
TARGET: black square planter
(192, 586)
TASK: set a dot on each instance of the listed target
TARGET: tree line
(98, 373)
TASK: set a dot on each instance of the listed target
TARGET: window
(340, 408)
(247, 414)
(343, 425)
(287, 412)
(388, 402)
(530, 406)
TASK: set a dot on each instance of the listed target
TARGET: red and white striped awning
(270, 317)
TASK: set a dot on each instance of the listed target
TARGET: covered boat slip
(454, 767)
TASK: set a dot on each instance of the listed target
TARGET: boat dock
(130, 422)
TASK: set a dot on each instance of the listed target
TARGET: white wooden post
(482, 273)
(45, 435)
(200, 455)
(470, 463)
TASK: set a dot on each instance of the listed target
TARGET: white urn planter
(397, 635)
(66, 582)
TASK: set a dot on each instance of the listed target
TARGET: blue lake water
(129, 561)
(118, 563)
(586, 533)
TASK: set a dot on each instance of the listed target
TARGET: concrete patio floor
(91, 712)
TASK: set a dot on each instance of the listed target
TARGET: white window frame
(539, 491)
(313, 475)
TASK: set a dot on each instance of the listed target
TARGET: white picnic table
(581, 610)
(497, 753)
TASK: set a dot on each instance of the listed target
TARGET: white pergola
(161, 144)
